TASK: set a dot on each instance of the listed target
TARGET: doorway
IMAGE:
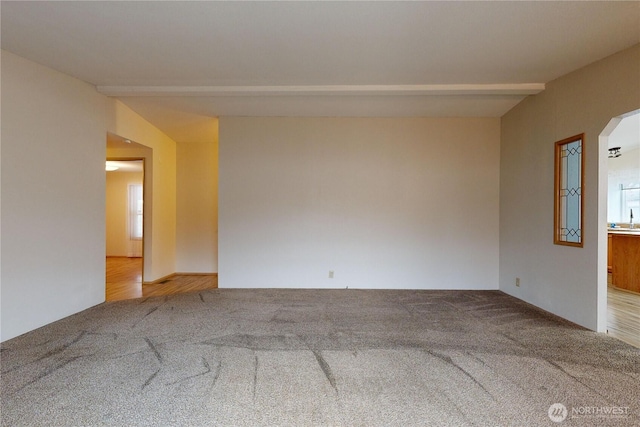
(619, 188)
(124, 228)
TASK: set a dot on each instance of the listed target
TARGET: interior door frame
(144, 200)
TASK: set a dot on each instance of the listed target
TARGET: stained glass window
(569, 164)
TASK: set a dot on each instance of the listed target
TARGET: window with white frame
(135, 211)
(630, 201)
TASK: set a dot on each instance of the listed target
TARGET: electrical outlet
(517, 281)
(330, 274)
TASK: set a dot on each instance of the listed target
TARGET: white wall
(197, 207)
(117, 211)
(54, 130)
(384, 203)
(560, 279)
(53, 207)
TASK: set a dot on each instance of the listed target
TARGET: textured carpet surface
(318, 357)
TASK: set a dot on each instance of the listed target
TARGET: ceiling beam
(517, 89)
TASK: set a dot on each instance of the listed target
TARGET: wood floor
(124, 281)
(623, 315)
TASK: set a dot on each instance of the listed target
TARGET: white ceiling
(627, 134)
(178, 63)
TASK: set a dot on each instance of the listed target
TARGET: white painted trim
(516, 89)
(602, 276)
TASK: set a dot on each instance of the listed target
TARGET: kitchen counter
(629, 231)
(625, 258)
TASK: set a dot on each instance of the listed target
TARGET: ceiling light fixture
(110, 167)
(614, 152)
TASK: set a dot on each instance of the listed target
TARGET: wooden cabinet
(625, 253)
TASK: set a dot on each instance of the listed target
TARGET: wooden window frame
(557, 217)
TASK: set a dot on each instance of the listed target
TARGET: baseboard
(625, 290)
(169, 276)
(196, 274)
(162, 279)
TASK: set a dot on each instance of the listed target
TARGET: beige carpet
(318, 357)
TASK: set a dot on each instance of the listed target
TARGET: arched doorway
(619, 194)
